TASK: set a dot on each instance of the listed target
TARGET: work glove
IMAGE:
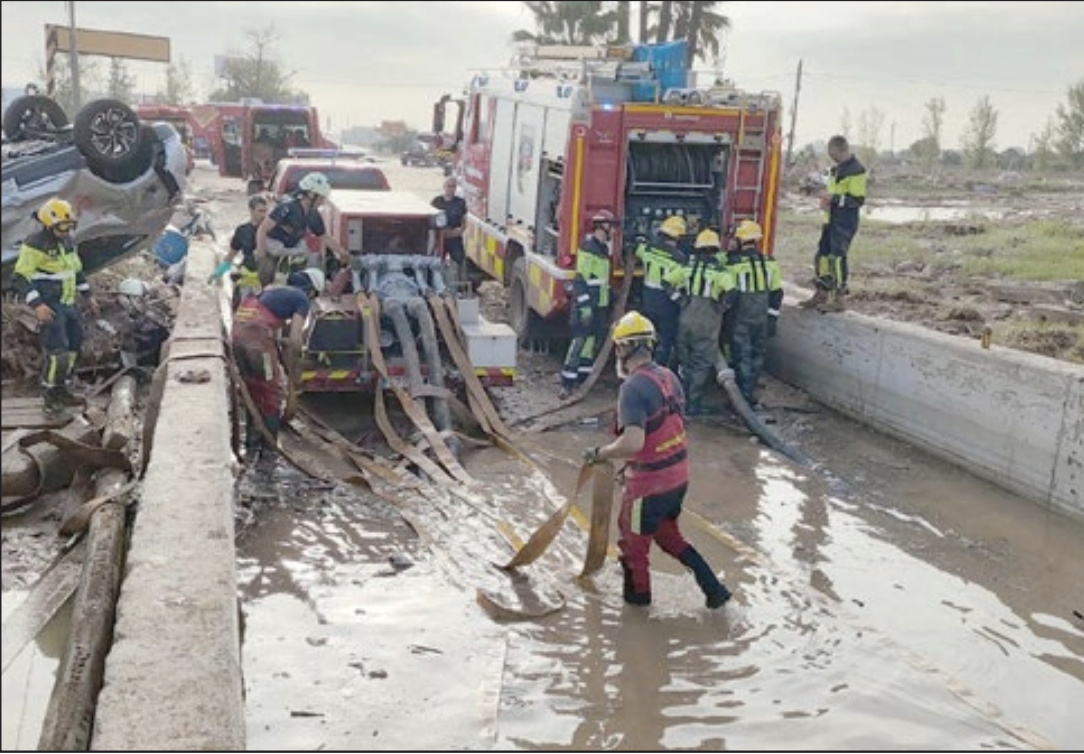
(584, 316)
(44, 313)
(723, 375)
(773, 325)
(590, 456)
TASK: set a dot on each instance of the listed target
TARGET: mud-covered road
(883, 599)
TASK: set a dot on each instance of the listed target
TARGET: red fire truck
(248, 139)
(175, 115)
(574, 130)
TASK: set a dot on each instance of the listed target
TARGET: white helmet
(315, 183)
(315, 279)
(132, 287)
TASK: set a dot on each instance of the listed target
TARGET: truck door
(503, 166)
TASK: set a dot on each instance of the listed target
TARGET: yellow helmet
(673, 226)
(708, 239)
(633, 328)
(56, 212)
(748, 230)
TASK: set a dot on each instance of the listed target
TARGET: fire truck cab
(573, 130)
(247, 139)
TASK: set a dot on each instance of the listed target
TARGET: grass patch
(1059, 341)
(1035, 250)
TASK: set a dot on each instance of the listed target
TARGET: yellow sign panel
(113, 44)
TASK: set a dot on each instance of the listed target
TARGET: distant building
(391, 129)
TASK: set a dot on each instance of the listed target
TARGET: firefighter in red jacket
(651, 439)
(257, 325)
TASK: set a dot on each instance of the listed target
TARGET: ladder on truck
(750, 152)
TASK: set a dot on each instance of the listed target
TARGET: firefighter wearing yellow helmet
(700, 286)
(659, 259)
(651, 441)
(49, 277)
(753, 313)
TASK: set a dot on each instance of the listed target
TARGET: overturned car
(124, 177)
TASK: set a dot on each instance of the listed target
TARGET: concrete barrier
(1011, 417)
(173, 678)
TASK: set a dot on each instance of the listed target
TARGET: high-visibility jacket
(591, 285)
(846, 193)
(658, 262)
(48, 270)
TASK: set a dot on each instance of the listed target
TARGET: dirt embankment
(962, 259)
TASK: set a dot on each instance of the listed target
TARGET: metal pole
(73, 57)
(793, 116)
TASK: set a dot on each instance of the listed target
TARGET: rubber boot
(834, 302)
(818, 299)
(632, 596)
(53, 403)
(715, 593)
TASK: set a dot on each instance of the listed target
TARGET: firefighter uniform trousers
(257, 357)
(589, 318)
(705, 283)
(656, 304)
(759, 292)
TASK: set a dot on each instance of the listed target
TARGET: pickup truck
(344, 170)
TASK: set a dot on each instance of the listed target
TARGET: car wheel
(33, 116)
(113, 141)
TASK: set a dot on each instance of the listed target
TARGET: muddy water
(884, 600)
(28, 680)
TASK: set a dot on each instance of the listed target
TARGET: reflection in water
(900, 214)
(838, 637)
(28, 681)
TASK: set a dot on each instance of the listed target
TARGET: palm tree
(567, 22)
(701, 26)
(696, 21)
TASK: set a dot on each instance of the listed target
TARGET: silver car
(124, 178)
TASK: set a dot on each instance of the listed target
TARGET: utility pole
(793, 115)
(73, 57)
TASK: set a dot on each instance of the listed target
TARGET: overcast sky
(363, 62)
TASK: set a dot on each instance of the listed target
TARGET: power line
(928, 82)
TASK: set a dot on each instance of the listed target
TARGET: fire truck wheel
(525, 321)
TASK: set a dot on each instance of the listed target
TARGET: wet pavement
(883, 600)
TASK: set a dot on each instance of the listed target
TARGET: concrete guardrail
(173, 678)
(1011, 417)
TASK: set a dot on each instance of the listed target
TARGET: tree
(1043, 155)
(90, 80)
(257, 73)
(846, 126)
(977, 143)
(623, 16)
(698, 23)
(871, 121)
(933, 123)
(121, 83)
(178, 90)
(589, 23)
(1070, 127)
(572, 23)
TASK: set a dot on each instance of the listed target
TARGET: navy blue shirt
(291, 222)
(285, 301)
(244, 240)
